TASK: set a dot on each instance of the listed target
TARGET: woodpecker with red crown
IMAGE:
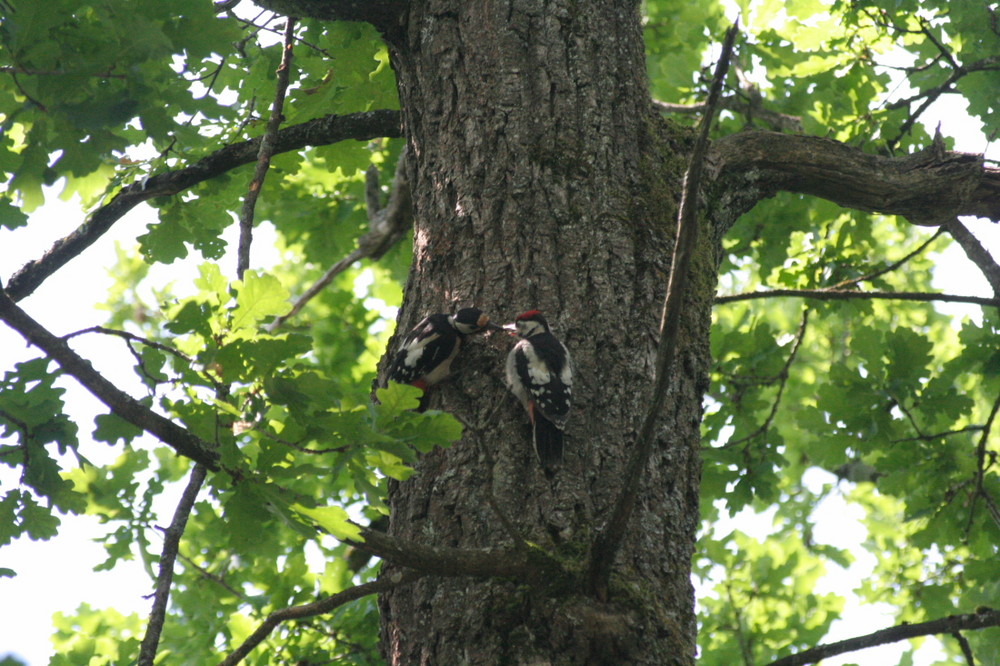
(424, 358)
(540, 374)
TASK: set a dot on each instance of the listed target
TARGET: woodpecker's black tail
(548, 442)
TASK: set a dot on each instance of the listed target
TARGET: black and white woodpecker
(540, 374)
(424, 358)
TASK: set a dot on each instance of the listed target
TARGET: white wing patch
(413, 355)
(415, 350)
(538, 372)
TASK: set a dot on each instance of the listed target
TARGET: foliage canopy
(896, 398)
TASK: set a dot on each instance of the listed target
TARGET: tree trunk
(542, 178)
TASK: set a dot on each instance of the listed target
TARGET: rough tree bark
(543, 178)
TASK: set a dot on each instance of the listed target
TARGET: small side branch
(963, 643)
(851, 294)
(386, 226)
(752, 107)
(929, 96)
(891, 267)
(981, 466)
(987, 617)
(608, 539)
(311, 610)
(782, 379)
(264, 153)
(131, 337)
(171, 544)
(976, 253)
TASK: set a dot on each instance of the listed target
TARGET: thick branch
(608, 539)
(443, 561)
(319, 132)
(171, 544)
(119, 402)
(927, 188)
(987, 617)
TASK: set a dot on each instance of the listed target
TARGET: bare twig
(981, 466)
(992, 507)
(131, 337)
(27, 96)
(746, 650)
(986, 617)
(779, 122)
(264, 152)
(385, 227)
(836, 294)
(316, 608)
(318, 132)
(257, 28)
(976, 253)
(171, 544)
(963, 643)
(891, 267)
(930, 95)
(217, 579)
(937, 435)
(608, 540)
(782, 377)
(140, 362)
(986, 64)
(929, 34)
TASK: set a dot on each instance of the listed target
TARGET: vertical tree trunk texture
(543, 179)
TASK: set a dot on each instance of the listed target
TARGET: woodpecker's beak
(511, 328)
